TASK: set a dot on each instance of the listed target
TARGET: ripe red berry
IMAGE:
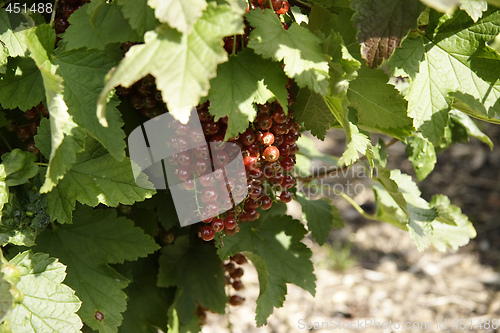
(209, 194)
(218, 224)
(286, 196)
(271, 154)
(237, 285)
(288, 182)
(250, 162)
(239, 258)
(230, 222)
(267, 138)
(236, 300)
(287, 163)
(279, 129)
(279, 115)
(263, 122)
(248, 137)
(266, 202)
(207, 233)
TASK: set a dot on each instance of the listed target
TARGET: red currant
(207, 233)
(271, 154)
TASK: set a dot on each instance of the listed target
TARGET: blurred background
(372, 270)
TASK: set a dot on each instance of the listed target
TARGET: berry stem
(234, 45)
(42, 164)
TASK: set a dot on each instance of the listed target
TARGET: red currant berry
(279, 129)
(207, 180)
(209, 194)
(230, 222)
(237, 285)
(267, 138)
(218, 224)
(266, 202)
(248, 137)
(279, 115)
(288, 182)
(263, 122)
(235, 299)
(239, 258)
(286, 196)
(287, 163)
(250, 162)
(271, 154)
(207, 233)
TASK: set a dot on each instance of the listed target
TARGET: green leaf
(182, 64)
(140, 16)
(96, 238)
(422, 156)
(21, 86)
(66, 138)
(96, 177)
(11, 35)
(458, 118)
(48, 305)
(20, 166)
(357, 142)
(147, 304)
(179, 14)
(82, 91)
(382, 24)
(405, 61)
(455, 60)
(181, 265)
(438, 223)
(273, 245)
(299, 49)
(311, 110)
(242, 81)
(97, 24)
(378, 103)
(445, 235)
(474, 8)
(320, 216)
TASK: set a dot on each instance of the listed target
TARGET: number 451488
(16, 8)
(474, 324)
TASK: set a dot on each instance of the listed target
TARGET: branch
(323, 174)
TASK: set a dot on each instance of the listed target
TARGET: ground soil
(385, 278)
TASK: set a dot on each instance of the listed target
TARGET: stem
(234, 45)
(53, 16)
(42, 164)
(327, 173)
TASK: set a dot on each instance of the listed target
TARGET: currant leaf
(242, 81)
(95, 239)
(185, 64)
(48, 304)
(299, 49)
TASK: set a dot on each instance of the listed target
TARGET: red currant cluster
(26, 130)
(144, 97)
(233, 274)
